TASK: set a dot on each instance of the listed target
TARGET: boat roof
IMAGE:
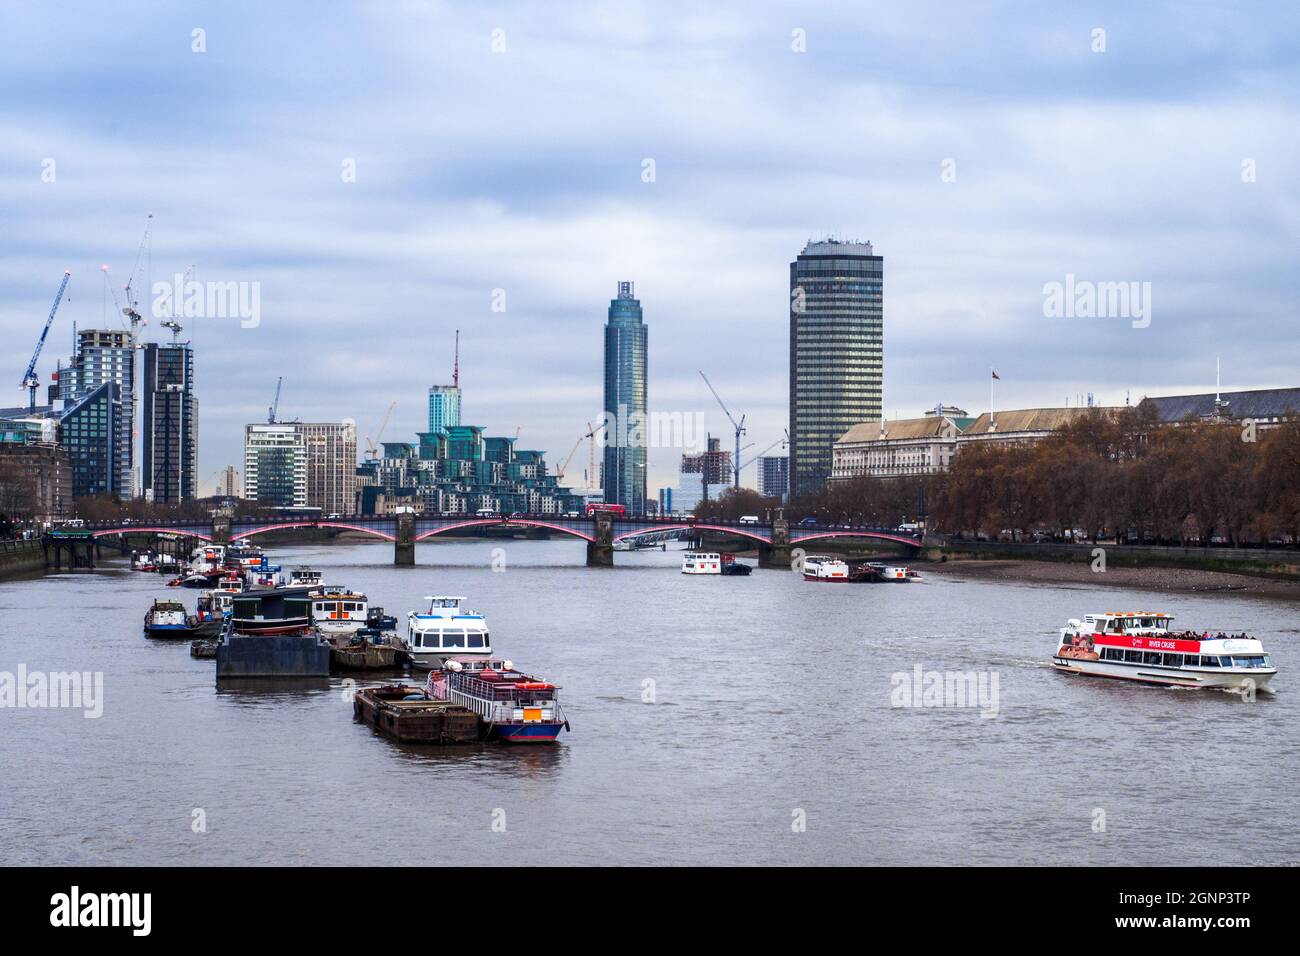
(444, 597)
(1132, 614)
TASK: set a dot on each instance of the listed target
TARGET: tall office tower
(169, 435)
(93, 429)
(331, 450)
(774, 476)
(275, 465)
(625, 402)
(836, 352)
(229, 484)
(106, 355)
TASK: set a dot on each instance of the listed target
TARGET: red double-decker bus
(595, 506)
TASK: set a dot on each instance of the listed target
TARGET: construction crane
(31, 381)
(750, 461)
(143, 254)
(560, 469)
(275, 405)
(739, 426)
(372, 447)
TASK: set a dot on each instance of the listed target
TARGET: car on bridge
(807, 522)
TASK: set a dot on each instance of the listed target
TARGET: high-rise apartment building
(625, 402)
(331, 456)
(836, 352)
(106, 356)
(169, 424)
(774, 476)
(444, 407)
(275, 465)
(94, 430)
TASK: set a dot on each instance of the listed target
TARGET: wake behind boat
(1139, 646)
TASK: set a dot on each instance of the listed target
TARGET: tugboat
(821, 567)
(512, 707)
(893, 572)
(445, 631)
(1139, 646)
(269, 634)
(167, 619)
(733, 567)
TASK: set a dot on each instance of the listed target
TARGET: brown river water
(745, 720)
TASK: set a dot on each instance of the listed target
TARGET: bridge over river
(774, 541)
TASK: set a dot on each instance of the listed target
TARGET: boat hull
(1214, 679)
(544, 733)
(273, 655)
(170, 632)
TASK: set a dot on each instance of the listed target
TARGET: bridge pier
(600, 552)
(777, 554)
(404, 543)
(220, 529)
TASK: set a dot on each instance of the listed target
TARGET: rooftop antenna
(455, 367)
(1219, 403)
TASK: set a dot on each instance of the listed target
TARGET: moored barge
(411, 715)
(269, 634)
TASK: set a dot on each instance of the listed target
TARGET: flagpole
(992, 379)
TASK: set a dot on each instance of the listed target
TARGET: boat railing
(499, 690)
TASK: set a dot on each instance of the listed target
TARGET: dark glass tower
(169, 433)
(625, 402)
(836, 352)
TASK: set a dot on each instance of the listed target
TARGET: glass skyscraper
(625, 402)
(169, 431)
(444, 407)
(836, 352)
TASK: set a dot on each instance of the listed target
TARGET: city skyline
(979, 151)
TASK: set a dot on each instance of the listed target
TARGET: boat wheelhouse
(167, 619)
(269, 634)
(513, 707)
(821, 567)
(701, 562)
(339, 610)
(305, 578)
(444, 631)
(1141, 646)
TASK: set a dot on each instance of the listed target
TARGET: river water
(771, 739)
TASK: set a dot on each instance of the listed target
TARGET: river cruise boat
(821, 567)
(444, 631)
(513, 707)
(1141, 646)
(701, 562)
(245, 555)
(339, 610)
(269, 634)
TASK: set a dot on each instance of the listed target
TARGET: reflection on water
(770, 696)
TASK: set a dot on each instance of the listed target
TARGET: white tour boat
(1140, 646)
(893, 572)
(444, 631)
(339, 610)
(821, 567)
(305, 578)
(701, 562)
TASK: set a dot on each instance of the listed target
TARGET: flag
(995, 375)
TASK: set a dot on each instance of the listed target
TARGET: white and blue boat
(167, 619)
(444, 631)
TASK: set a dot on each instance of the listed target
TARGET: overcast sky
(1169, 158)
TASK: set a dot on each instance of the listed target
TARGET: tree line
(1111, 474)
